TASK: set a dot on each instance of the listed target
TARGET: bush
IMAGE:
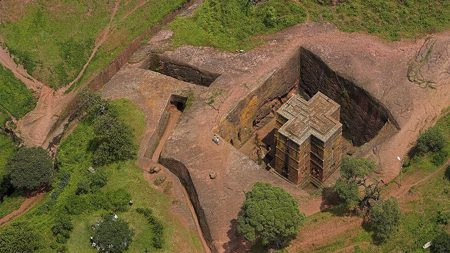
(119, 200)
(384, 219)
(92, 183)
(431, 140)
(19, 237)
(112, 235)
(113, 141)
(439, 157)
(62, 228)
(442, 217)
(30, 169)
(264, 205)
(98, 180)
(157, 227)
(441, 244)
(83, 187)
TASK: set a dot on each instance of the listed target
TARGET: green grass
(132, 114)
(419, 213)
(127, 28)
(10, 203)
(75, 157)
(7, 148)
(15, 98)
(53, 39)
(13, 202)
(233, 26)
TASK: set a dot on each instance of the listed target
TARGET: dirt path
(98, 43)
(26, 205)
(323, 233)
(19, 72)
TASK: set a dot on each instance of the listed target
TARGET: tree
(441, 244)
(431, 140)
(384, 219)
(114, 140)
(269, 214)
(30, 169)
(19, 237)
(354, 187)
(112, 234)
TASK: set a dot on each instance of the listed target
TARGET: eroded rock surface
(367, 76)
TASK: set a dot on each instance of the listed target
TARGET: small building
(308, 139)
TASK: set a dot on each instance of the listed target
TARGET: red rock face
(362, 115)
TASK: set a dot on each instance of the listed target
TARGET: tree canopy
(114, 140)
(384, 219)
(441, 244)
(30, 169)
(112, 234)
(354, 176)
(269, 214)
(431, 140)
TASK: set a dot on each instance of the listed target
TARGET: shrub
(263, 205)
(113, 141)
(112, 235)
(76, 204)
(83, 187)
(30, 169)
(439, 157)
(19, 237)
(62, 228)
(157, 227)
(431, 140)
(119, 200)
(442, 217)
(384, 219)
(98, 180)
(441, 244)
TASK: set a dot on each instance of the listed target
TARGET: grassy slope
(230, 28)
(54, 38)
(12, 202)
(128, 27)
(418, 223)
(75, 158)
(15, 98)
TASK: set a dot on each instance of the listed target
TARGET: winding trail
(98, 43)
(19, 71)
(25, 206)
(322, 233)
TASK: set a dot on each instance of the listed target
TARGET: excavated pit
(167, 123)
(180, 170)
(181, 71)
(362, 116)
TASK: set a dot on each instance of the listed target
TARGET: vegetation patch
(54, 39)
(425, 210)
(233, 24)
(65, 216)
(15, 98)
